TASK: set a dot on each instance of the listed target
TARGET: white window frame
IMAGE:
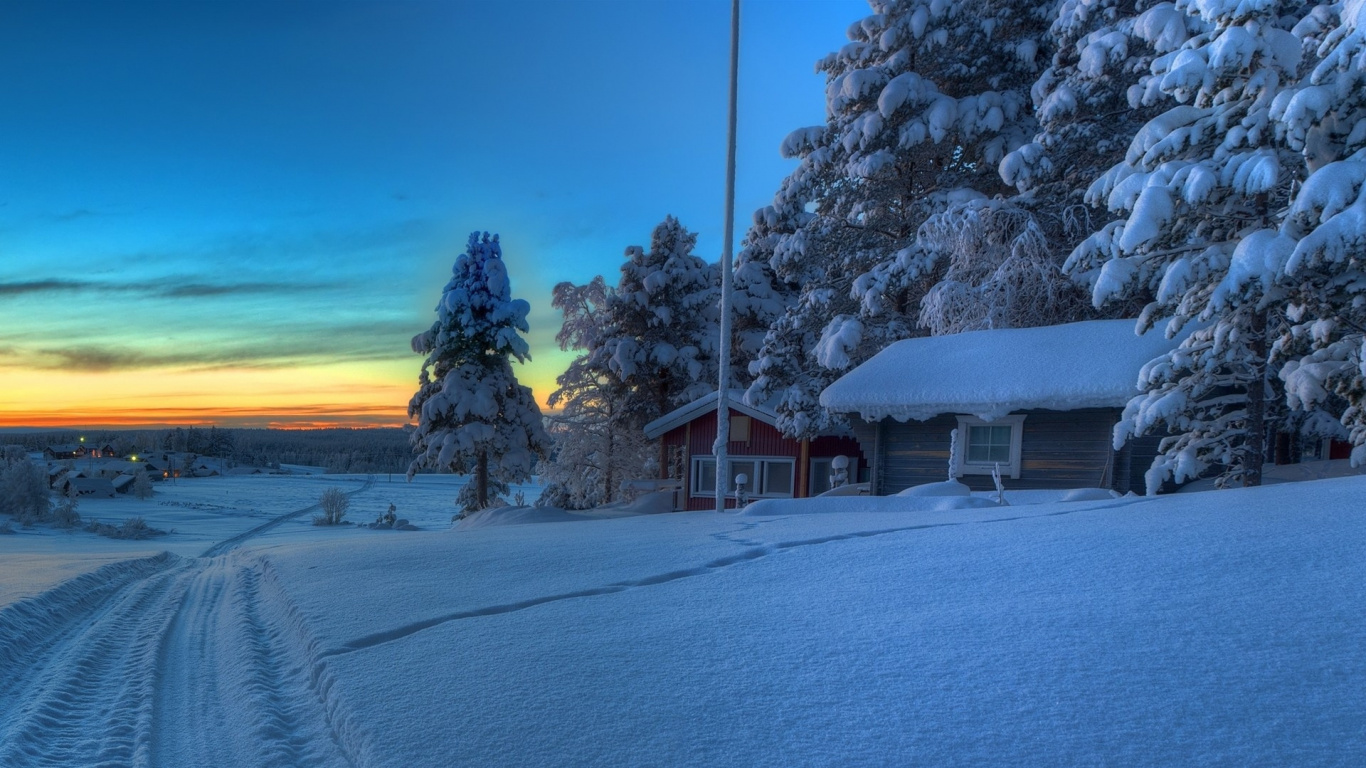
(1011, 468)
(759, 477)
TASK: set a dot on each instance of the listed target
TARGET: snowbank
(991, 373)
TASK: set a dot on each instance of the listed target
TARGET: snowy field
(201, 512)
(1199, 629)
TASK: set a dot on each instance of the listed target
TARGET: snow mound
(1089, 494)
(992, 373)
(945, 488)
(843, 505)
(488, 518)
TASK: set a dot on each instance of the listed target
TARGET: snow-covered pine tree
(473, 416)
(1202, 186)
(1091, 100)
(759, 297)
(1325, 119)
(661, 332)
(922, 105)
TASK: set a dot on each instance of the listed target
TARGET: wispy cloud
(163, 287)
(317, 345)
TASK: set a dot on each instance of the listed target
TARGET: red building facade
(775, 466)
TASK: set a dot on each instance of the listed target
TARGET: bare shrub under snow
(333, 504)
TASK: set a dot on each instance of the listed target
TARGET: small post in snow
(723, 378)
(953, 455)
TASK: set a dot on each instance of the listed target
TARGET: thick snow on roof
(991, 373)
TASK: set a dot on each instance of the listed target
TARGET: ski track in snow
(168, 661)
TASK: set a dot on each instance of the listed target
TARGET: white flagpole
(723, 383)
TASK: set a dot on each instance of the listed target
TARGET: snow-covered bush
(333, 504)
(134, 528)
(65, 515)
(473, 416)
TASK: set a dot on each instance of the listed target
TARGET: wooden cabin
(1039, 404)
(778, 467)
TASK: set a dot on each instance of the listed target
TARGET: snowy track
(166, 661)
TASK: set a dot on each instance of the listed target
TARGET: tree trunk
(481, 480)
(1254, 450)
(611, 449)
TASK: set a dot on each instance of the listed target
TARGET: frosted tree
(595, 447)
(760, 297)
(1092, 98)
(922, 105)
(473, 418)
(1325, 119)
(659, 338)
(142, 485)
(24, 492)
(1002, 271)
(1201, 188)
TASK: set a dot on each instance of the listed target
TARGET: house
(94, 487)
(67, 451)
(123, 483)
(1039, 403)
(777, 466)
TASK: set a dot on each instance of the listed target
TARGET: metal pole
(723, 383)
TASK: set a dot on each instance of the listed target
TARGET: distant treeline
(339, 450)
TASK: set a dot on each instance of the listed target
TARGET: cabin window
(769, 477)
(985, 445)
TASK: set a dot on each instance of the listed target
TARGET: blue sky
(281, 187)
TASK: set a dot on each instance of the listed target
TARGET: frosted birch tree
(595, 447)
(473, 417)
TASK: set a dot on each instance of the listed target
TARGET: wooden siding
(1058, 449)
(698, 435)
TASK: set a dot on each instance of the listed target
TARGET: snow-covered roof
(686, 413)
(989, 374)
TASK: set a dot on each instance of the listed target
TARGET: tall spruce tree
(473, 416)
(922, 103)
(660, 336)
(1325, 119)
(1202, 189)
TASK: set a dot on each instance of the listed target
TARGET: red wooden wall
(764, 440)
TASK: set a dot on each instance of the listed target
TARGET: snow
(989, 374)
(1190, 629)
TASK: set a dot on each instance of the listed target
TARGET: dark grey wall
(1058, 449)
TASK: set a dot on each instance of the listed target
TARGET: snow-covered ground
(1217, 628)
(201, 512)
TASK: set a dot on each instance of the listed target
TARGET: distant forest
(339, 450)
